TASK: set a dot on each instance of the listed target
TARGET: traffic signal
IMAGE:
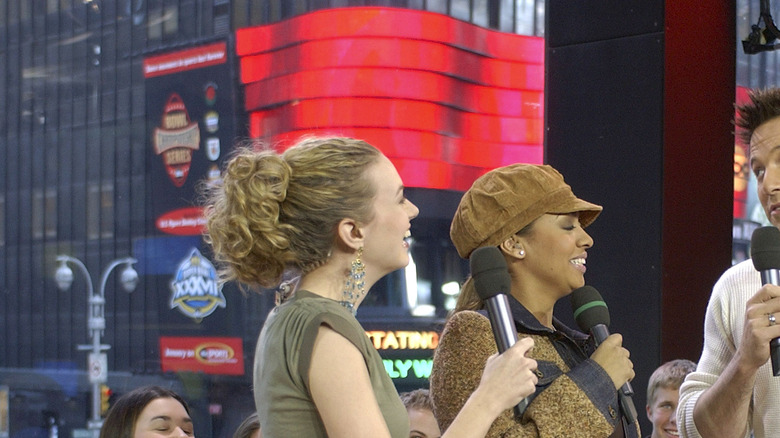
(105, 395)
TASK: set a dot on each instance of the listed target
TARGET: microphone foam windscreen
(589, 308)
(490, 273)
(765, 248)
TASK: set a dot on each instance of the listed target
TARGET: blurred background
(115, 112)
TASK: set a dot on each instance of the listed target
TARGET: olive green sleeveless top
(283, 358)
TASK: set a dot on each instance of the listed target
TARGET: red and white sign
(182, 222)
(207, 355)
(183, 60)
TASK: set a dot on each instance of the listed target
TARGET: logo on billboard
(210, 93)
(211, 120)
(214, 353)
(195, 290)
(175, 139)
(212, 148)
(223, 355)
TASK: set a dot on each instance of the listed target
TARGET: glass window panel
(480, 13)
(93, 212)
(37, 214)
(461, 9)
(155, 23)
(505, 16)
(171, 20)
(540, 18)
(240, 15)
(2, 219)
(50, 214)
(107, 210)
(437, 6)
(525, 17)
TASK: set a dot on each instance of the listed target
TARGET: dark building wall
(74, 140)
(73, 148)
(638, 110)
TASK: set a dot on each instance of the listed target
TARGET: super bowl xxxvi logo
(195, 290)
(175, 139)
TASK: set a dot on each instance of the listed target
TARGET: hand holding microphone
(592, 315)
(765, 254)
(492, 283)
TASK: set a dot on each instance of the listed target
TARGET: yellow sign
(403, 340)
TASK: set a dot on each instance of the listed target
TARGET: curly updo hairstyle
(273, 212)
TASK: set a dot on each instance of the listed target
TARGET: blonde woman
(332, 210)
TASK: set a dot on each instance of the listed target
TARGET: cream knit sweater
(723, 327)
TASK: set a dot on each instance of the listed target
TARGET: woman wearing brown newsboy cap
(537, 222)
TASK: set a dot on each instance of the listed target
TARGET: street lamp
(97, 363)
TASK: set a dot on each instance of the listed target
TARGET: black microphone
(492, 283)
(592, 315)
(765, 253)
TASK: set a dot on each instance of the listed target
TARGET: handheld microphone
(592, 315)
(765, 253)
(492, 283)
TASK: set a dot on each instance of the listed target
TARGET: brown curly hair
(273, 212)
(763, 105)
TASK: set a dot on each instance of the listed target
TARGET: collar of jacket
(527, 322)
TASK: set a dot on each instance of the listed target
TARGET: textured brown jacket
(566, 404)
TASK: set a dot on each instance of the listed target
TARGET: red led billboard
(445, 100)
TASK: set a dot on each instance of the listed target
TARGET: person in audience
(249, 428)
(148, 412)
(663, 393)
(422, 423)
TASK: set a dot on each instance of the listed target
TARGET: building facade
(115, 112)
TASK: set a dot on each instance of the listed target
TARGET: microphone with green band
(592, 315)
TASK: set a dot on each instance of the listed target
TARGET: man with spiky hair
(733, 391)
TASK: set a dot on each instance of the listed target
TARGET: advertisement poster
(190, 107)
(207, 355)
(191, 116)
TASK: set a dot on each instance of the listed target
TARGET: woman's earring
(355, 286)
(522, 253)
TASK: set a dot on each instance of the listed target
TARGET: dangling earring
(355, 286)
(286, 289)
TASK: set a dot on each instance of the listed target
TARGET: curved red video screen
(445, 100)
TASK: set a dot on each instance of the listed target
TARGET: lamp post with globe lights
(97, 363)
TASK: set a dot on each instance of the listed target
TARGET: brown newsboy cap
(504, 200)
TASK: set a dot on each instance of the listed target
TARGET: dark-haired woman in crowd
(148, 412)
